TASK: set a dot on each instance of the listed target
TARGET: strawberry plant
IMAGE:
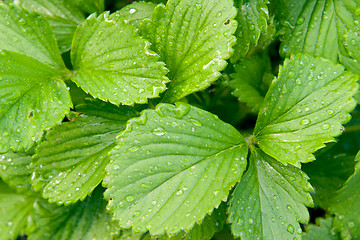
(179, 119)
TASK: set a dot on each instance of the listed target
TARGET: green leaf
(171, 167)
(251, 80)
(71, 162)
(135, 12)
(28, 34)
(62, 15)
(316, 26)
(33, 97)
(351, 59)
(322, 230)
(333, 166)
(253, 17)
(345, 206)
(14, 170)
(113, 63)
(85, 220)
(14, 210)
(270, 200)
(193, 40)
(91, 6)
(304, 108)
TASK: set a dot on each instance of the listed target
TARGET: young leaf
(270, 200)
(251, 80)
(14, 210)
(193, 40)
(113, 63)
(135, 12)
(171, 167)
(315, 26)
(63, 17)
(28, 34)
(253, 17)
(14, 170)
(85, 220)
(346, 208)
(304, 108)
(33, 98)
(322, 230)
(71, 161)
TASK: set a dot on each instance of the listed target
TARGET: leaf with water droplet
(195, 51)
(323, 229)
(264, 196)
(204, 165)
(116, 66)
(290, 127)
(135, 12)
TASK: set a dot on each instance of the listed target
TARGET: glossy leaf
(322, 230)
(28, 34)
(193, 40)
(316, 26)
(304, 108)
(14, 210)
(113, 63)
(270, 200)
(14, 170)
(352, 57)
(346, 207)
(253, 17)
(71, 162)
(33, 97)
(171, 167)
(85, 220)
(251, 80)
(135, 12)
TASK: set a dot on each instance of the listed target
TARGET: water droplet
(251, 221)
(290, 229)
(298, 81)
(133, 149)
(219, 14)
(132, 10)
(116, 167)
(326, 126)
(307, 109)
(300, 21)
(179, 192)
(198, 6)
(153, 202)
(329, 111)
(305, 121)
(129, 198)
(351, 224)
(159, 131)
(195, 122)
(252, 27)
(136, 213)
(141, 90)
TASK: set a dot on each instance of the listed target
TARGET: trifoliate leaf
(113, 63)
(28, 34)
(351, 59)
(322, 230)
(14, 210)
(135, 12)
(332, 168)
(346, 207)
(71, 162)
(253, 17)
(315, 26)
(33, 97)
(304, 108)
(14, 170)
(270, 200)
(193, 39)
(85, 220)
(171, 167)
(63, 17)
(251, 80)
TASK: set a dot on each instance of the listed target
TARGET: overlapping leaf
(270, 200)
(352, 57)
(14, 170)
(71, 161)
(193, 40)
(304, 108)
(90, 6)
(322, 230)
(346, 207)
(135, 12)
(63, 17)
(85, 220)
(253, 17)
(252, 80)
(28, 34)
(14, 210)
(171, 167)
(316, 26)
(33, 97)
(113, 63)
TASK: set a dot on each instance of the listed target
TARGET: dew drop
(329, 111)
(290, 229)
(326, 126)
(179, 192)
(305, 121)
(136, 213)
(132, 10)
(159, 131)
(251, 221)
(116, 167)
(129, 198)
